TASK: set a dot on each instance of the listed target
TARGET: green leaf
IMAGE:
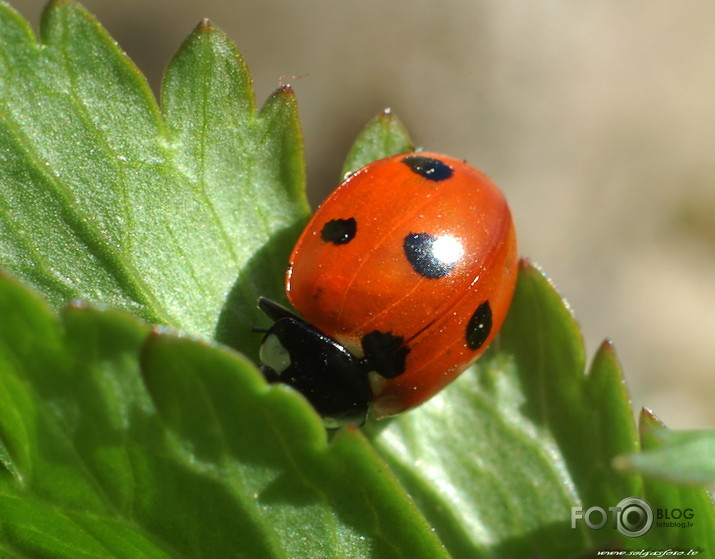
(682, 457)
(685, 518)
(383, 136)
(106, 197)
(118, 442)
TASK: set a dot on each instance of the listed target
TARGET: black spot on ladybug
(339, 231)
(385, 353)
(425, 260)
(428, 167)
(479, 326)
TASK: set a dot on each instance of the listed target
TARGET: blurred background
(596, 119)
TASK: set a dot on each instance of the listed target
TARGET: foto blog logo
(632, 517)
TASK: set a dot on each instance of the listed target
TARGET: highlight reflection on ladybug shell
(413, 257)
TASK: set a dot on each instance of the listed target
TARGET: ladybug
(402, 278)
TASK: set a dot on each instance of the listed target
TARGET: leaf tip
(652, 430)
(283, 97)
(527, 264)
(648, 418)
(57, 3)
(386, 116)
(606, 354)
(285, 91)
(384, 135)
(529, 267)
(608, 347)
(388, 119)
(204, 26)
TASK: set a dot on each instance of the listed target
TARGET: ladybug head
(327, 374)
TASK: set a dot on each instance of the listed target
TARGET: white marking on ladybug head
(274, 354)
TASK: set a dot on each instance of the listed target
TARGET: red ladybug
(402, 278)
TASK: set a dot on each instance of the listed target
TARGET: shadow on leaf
(263, 275)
